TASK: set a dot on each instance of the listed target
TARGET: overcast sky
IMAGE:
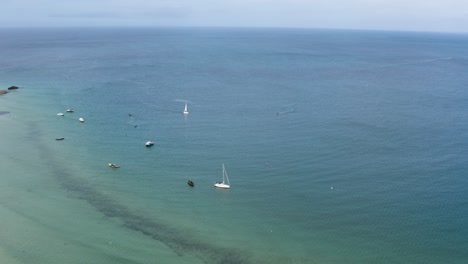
(413, 15)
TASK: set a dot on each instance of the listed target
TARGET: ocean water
(341, 146)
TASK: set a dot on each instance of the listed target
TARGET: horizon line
(230, 27)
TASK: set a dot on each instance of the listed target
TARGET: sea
(341, 146)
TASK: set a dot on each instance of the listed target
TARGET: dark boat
(59, 139)
(114, 166)
(190, 182)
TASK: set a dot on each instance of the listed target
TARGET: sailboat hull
(221, 185)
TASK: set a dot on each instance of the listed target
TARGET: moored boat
(190, 183)
(186, 110)
(114, 166)
(225, 183)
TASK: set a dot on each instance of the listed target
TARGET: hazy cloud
(428, 15)
(100, 15)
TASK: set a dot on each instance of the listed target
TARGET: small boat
(149, 143)
(185, 110)
(190, 183)
(70, 110)
(223, 184)
(81, 119)
(60, 114)
(59, 139)
(114, 166)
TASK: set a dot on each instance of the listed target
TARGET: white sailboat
(185, 110)
(225, 183)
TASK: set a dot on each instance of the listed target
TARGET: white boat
(149, 143)
(70, 110)
(60, 114)
(185, 110)
(225, 183)
(81, 119)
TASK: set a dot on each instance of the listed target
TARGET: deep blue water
(341, 146)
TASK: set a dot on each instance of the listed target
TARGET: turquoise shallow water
(341, 146)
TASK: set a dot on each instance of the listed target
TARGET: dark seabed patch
(176, 239)
(27, 256)
(4, 112)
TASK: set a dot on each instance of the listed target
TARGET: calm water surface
(341, 146)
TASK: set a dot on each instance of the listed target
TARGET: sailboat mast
(223, 172)
(225, 175)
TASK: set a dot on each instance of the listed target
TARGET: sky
(407, 15)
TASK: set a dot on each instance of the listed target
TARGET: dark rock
(13, 87)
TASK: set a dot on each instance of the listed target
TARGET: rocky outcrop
(13, 87)
(3, 92)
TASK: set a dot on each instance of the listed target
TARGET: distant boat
(60, 114)
(70, 110)
(190, 183)
(81, 119)
(114, 166)
(59, 139)
(185, 110)
(223, 184)
(149, 143)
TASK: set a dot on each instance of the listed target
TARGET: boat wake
(182, 100)
(416, 62)
(286, 112)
